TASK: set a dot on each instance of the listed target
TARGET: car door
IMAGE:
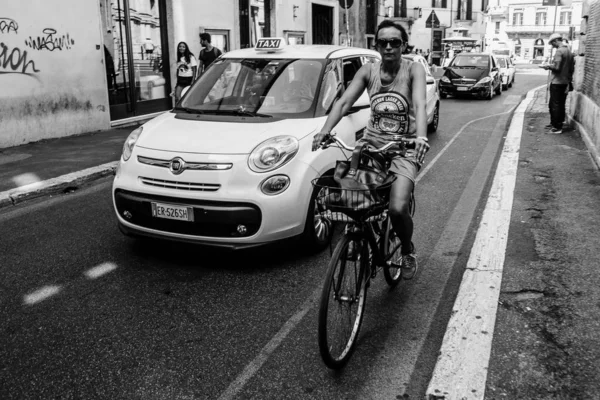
(431, 89)
(495, 71)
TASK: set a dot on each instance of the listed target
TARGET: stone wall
(585, 100)
(52, 77)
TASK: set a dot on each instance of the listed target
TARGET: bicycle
(368, 245)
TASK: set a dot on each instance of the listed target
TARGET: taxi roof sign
(270, 44)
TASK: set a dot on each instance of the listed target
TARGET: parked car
(433, 95)
(507, 69)
(231, 165)
(472, 73)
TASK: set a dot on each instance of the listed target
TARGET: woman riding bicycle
(397, 90)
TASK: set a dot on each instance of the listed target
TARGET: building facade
(108, 63)
(464, 18)
(525, 25)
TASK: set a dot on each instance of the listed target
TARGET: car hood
(168, 133)
(470, 73)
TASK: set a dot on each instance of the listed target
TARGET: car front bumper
(236, 215)
(446, 88)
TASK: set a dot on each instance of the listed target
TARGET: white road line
(252, 368)
(238, 384)
(438, 155)
(461, 369)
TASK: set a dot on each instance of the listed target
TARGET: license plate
(462, 89)
(170, 211)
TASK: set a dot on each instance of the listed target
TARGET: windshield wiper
(189, 110)
(242, 112)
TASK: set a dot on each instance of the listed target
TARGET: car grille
(187, 186)
(211, 218)
(463, 81)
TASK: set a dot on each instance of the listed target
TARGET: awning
(453, 39)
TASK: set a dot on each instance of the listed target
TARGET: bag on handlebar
(364, 180)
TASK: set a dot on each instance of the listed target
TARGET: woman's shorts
(184, 81)
(406, 166)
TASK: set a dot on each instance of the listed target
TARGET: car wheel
(318, 231)
(432, 127)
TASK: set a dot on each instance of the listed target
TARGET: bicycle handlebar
(396, 140)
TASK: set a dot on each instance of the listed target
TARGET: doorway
(322, 24)
(136, 57)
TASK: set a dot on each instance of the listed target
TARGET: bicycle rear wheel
(391, 270)
(343, 300)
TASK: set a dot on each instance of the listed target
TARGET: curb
(56, 185)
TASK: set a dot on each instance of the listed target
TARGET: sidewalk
(547, 336)
(33, 169)
(538, 335)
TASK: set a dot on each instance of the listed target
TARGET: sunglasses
(395, 43)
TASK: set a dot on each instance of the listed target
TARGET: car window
(278, 87)
(502, 62)
(330, 88)
(351, 67)
(467, 60)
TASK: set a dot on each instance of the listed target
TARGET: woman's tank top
(392, 112)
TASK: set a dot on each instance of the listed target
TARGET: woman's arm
(419, 100)
(343, 105)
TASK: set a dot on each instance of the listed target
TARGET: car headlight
(273, 153)
(484, 81)
(130, 143)
(445, 79)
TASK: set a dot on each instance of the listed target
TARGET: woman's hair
(387, 23)
(186, 53)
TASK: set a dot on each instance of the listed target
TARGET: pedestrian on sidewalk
(186, 69)
(562, 68)
(208, 54)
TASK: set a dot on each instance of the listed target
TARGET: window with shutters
(517, 16)
(540, 17)
(465, 8)
(439, 3)
(565, 18)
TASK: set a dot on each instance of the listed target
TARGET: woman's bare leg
(400, 211)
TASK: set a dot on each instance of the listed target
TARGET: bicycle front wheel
(343, 300)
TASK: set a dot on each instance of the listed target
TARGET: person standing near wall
(208, 54)
(562, 68)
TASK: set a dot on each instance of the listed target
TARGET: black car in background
(471, 73)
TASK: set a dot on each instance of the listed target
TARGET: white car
(507, 69)
(231, 165)
(433, 93)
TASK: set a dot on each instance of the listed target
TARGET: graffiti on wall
(8, 24)
(50, 42)
(14, 60)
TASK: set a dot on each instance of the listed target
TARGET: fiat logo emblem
(177, 166)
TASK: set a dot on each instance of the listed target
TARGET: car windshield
(258, 87)
(474, 61)
(502, 62)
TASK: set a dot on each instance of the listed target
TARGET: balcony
(497, 11)
(548, 28)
